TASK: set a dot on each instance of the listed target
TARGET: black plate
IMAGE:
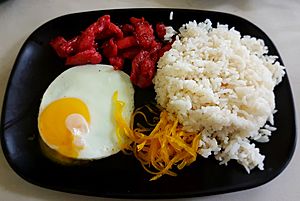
(120, 175)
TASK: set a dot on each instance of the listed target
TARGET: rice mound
(220, 84)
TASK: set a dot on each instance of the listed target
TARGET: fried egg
(76, 112)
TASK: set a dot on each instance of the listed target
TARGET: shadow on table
(4, 2)
(208, 5)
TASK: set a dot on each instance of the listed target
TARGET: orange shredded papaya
(167, 146)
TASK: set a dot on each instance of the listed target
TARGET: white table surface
(278, 18)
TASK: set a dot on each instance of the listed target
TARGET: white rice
(170, 32)
(171, 15)
(220, 84)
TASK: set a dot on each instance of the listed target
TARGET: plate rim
(137, 195)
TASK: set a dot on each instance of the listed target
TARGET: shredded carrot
(167, 146)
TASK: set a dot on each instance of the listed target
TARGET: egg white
(95, 86)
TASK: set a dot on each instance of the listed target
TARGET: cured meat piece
(154, 50)
(130, 53)
(143, 69)
(143, 32)
(111, 30)
(117, 62)
(86, 41)
(85, 57)
(127, 42)
(62, 47)
(110, 48)
(127, 29)
(99, 25)
(160, 29)
(87, 38)
(165, 48)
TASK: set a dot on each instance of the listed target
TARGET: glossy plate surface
(122, 176)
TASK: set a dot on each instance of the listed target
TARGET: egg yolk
(62, 122)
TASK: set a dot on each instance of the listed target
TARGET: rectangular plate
(122, 176)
